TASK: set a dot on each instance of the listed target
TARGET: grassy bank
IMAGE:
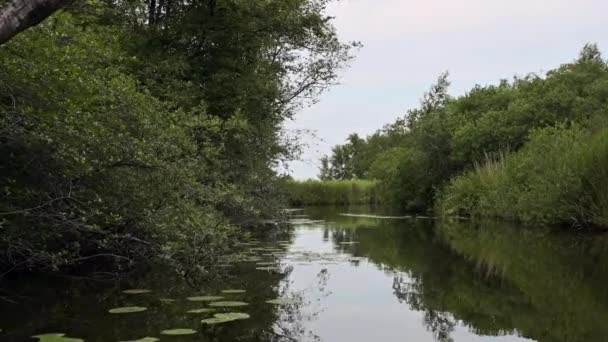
(335, 192)
(559, 177)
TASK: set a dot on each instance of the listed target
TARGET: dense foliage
(543, 133)
(133, 131)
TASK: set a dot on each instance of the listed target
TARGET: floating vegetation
(204, 298)
(376, 216)
(167, 300)
(280, 301)
(127, 309)
(304, 221)
(225, 317)
(232, 291)
(56, 337)
(145, 339)
(177, 332)
(291, 210)
(232, 315)
(202, 310)
(228, 304)
(136, 291)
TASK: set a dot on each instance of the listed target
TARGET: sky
(407, 44)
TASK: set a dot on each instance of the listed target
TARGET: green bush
(560, 176)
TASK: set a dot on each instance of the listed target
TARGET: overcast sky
(408, 43)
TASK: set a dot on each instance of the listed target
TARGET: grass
(333, 192)
(559, 177)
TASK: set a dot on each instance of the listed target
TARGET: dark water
(352, 279)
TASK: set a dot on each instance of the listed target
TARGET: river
(338, 277)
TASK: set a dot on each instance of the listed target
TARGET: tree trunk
(151, 12)
(18, 15)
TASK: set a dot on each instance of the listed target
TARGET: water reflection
(353, 279)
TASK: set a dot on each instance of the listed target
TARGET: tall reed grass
(333, 192)
(559, 177)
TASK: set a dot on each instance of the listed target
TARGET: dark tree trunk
(19, 15)
(152, 12)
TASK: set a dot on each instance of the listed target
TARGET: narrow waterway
(371, 276)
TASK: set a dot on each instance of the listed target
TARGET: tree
(19, 15)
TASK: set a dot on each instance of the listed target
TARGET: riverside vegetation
(138, 131)
(534, 149)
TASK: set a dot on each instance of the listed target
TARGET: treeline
(533, 149)
(133, 131)
(332, 192)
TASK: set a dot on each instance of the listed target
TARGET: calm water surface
(350, 279)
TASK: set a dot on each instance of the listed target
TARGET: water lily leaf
(176, 332)
(280, 301)
(127, 309)
(232, 315)
(145, 339)
(136, 291)
(56, 337)
(228, 303)
(233, 291)
(199, 311)
(204, 298)
(225, 317)
(215, 320)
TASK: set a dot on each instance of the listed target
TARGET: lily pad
(228, 304)
(145, 339)
(127, 309)
(280, 301)
(233, 291)
(56, 337)
(204, 298)
(177, 332)
(232, 315)
(136, 291)
(215, 320)
(199, 311)
(225, 317)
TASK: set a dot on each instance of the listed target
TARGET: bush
(560, 176)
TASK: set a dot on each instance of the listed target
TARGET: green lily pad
(204, 298)
(280, 301)
(145, 339)
(232, 315)
(215, 320)
(136, 291)
(199, 311)
(225, 317)
(177, 332)
(127, 309)
(233, 291)
(56, 337)
(228, 303)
